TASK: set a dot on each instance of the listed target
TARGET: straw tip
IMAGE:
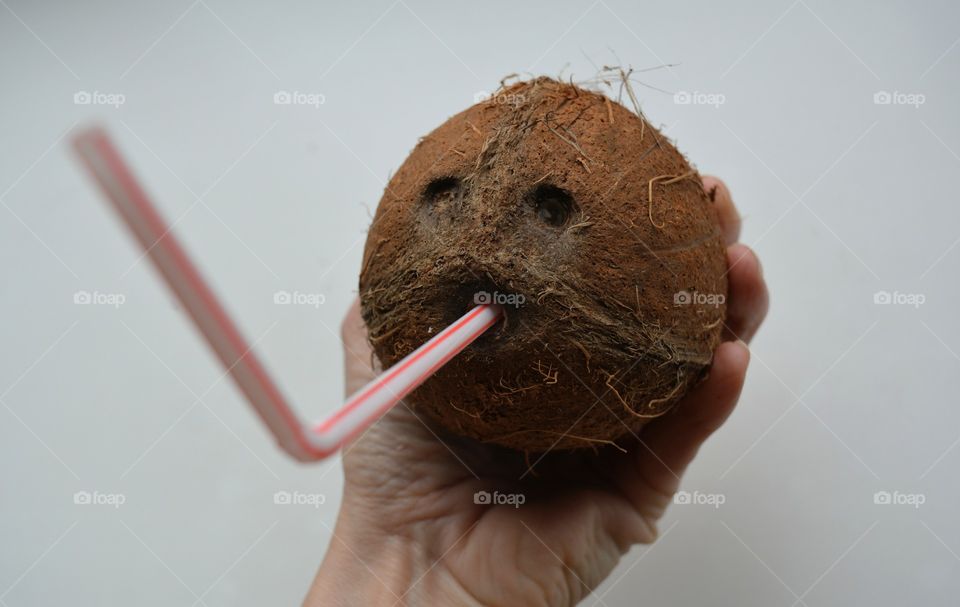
(496, 309)
(87, 135)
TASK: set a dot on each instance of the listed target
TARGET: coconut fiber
(592, 231)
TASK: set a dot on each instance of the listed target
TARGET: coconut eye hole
(553, 205)
(443, 190)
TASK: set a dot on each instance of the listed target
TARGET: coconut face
(540, 199)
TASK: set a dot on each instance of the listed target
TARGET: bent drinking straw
(301, 441)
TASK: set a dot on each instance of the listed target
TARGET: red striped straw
(303, 442)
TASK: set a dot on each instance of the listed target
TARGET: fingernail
(759, 263)
(746, 348)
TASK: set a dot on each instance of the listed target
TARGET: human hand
(410, 532)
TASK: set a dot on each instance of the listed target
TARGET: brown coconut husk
(566, 197)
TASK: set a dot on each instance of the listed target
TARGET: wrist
(375, 568)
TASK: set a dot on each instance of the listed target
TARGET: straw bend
(302, 442)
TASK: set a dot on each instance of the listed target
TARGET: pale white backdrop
(835, 125)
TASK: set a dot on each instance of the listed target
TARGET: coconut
(590, 229)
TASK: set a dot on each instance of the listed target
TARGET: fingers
(726, 212)
(704, 410)
(357, 354)
(749, 300)
(651, 476)
(667, 446)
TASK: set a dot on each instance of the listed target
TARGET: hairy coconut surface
(592, 229)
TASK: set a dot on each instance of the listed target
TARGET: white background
(842, 198)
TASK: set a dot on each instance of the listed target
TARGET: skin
(409, 531)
